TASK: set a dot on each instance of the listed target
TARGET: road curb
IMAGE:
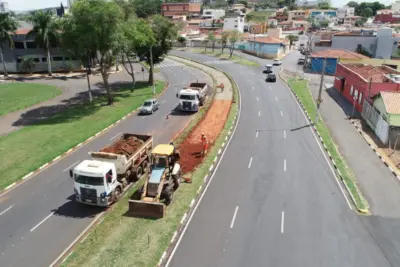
(73, 149)
(373, 147)
(208, 175)
(338, 174)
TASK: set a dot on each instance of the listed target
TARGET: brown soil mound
(126, 146)
(211, 126)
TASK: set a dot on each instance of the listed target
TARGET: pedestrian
(204, 144)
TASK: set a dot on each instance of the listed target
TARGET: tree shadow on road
(73, 209)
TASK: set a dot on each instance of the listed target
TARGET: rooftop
(391, 100)
(367, 72)
(338, 53)
(268, 40)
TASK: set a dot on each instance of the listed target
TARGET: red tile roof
(268, 40)
(391, 100)
(22, 31)
(338, 53)
(367, 72)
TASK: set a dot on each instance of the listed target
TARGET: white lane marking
(234, 216)
(204, 191)
(256, 134)
(70, 166)
(251, 160)
(7, 209)
(257, 99)
(276, 98)
(282, 221)
(284, 164)
(162, 102)
(42, 221)
(112, 138)
(281, 113)
(259, 113)
(284, 134)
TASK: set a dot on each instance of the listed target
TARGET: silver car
(149, 106)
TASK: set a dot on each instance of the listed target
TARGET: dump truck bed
(197, 86)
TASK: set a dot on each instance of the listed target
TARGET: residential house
(359, 82)
(381, 44)
(388, 105)
(307, 3)
(266, 47)
(343, 12)
(213, 13)
(211, 24)
(324, 12)
(351, 20)
(297, 15)
(294, 24)
(281, 15)
(258, 28)
(179, 9)
(238, 7)
(396, 6)
(387, 16)
(330, 58)
(234, 23)
(26, 47)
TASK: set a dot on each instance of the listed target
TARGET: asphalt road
(40, 218)
(274, 200)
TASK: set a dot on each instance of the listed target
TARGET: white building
(343, 12)
(396, 6)
(234, 23)
(213, 13)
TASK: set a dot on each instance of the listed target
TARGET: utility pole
(152, 70)
(319, 100)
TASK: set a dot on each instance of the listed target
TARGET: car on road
(149, 106)
(271, 77)
(301, 61)
(267, 68)
(277, 62)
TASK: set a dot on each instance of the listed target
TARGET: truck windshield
(160, 162)
(187, 97)
(89, 180)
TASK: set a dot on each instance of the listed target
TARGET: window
(235, 26)
(44, 59)
(351, 90)
(355, 94)
(19, 45)
(30, 45)
(360, 98)
(36, 59)
(57, 58)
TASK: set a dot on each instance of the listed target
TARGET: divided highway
(274, 200)
(39, 218)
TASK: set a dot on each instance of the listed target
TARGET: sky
(23, 5)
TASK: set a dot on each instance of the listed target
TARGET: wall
(318, 63)
(236, 23)
(265, 50)
(351, 42)
(392, 119)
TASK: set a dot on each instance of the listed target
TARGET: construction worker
(204, 144)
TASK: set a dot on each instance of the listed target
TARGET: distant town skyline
(23, 5)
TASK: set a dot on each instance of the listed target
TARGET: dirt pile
(125, 146)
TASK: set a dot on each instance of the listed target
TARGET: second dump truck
(193, 97)
(101, 180)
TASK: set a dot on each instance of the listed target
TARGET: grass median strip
(126, 241)
(16, 96)
(225, 55)
(27, 149)
(300, 87)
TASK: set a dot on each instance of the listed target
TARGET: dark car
(271, 77)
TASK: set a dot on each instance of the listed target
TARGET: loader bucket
(138, 208)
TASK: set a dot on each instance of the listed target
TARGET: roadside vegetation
(258, 16)
(225, 55)
(17, 96)
(33, 146)
(124, 241)
(300, 87)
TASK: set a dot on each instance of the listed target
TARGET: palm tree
(45, 32)
(8, 26)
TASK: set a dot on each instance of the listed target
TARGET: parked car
(277, 62)
(149, 106)
(301, 61)
(271, 77)
(267, 68)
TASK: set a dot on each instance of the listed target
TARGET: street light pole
(152, 70)
(319, 100)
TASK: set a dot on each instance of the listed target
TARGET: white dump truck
(193, 97)
(101, 180)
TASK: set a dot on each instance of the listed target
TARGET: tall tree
(224, 40)
(234, 37)
(213, 39)
(164, 33)
(45, 32)
(128, 7)
(8, 26)
(146, 8)
(352, 4)
(98, 22)
(292, 39)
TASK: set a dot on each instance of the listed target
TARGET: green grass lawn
(125, 241)
(259, 16)
(302, 91)
(16, 96)
(27, 149)
(225, 55)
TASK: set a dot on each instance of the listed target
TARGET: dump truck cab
(95, 183)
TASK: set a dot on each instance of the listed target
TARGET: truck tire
(146, 166)
(168, 195)
(117, 194)
(139, 172)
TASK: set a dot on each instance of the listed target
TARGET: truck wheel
(146, 166)
(169, 195)
(117, 194)
(139, 172)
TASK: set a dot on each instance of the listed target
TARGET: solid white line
(70, 166)
(112, 138)
(257, 99)
(256, 134)
(276, 98)
(251, 160)
(259, 113)
(42, 221)
(234, 216)
(282, 221)
(4, 211)
(281, 113)
(284, 133)
(284, 164)
(205, 189)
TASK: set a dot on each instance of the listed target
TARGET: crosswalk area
(170, 64)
